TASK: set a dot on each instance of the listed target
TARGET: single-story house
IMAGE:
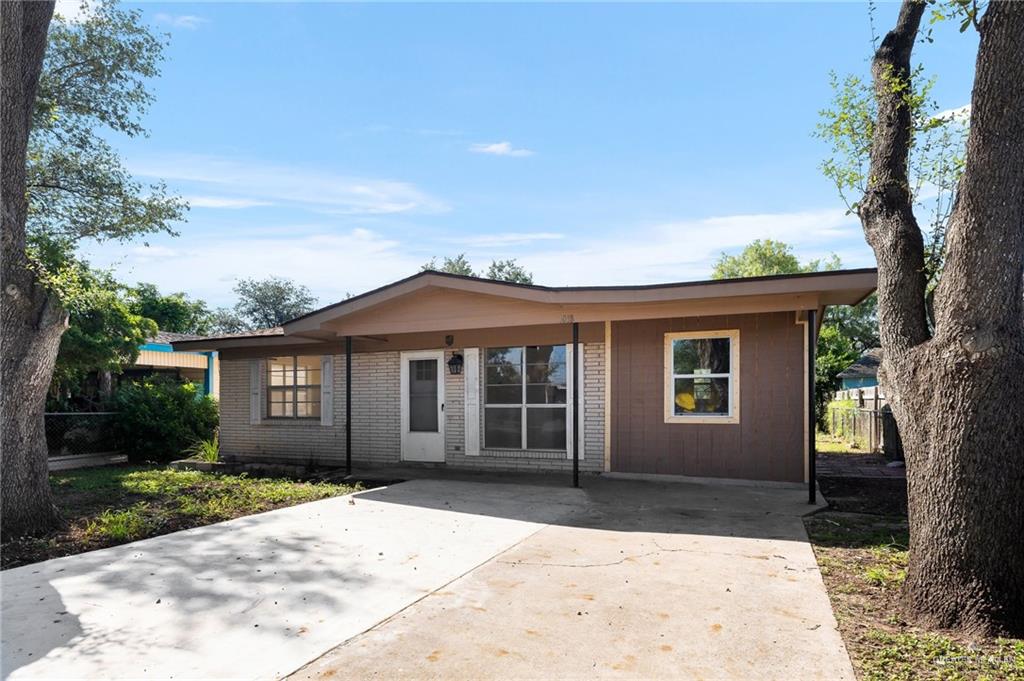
(158, 356)
(864, 372)
(704, 379)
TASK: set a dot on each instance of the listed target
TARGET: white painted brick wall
(376, 420)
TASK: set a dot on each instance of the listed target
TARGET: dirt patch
(878, 496)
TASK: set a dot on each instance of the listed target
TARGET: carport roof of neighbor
(438, 301)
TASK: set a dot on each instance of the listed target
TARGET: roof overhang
(434, 301)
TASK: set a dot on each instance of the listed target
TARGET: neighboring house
(864, 372)
(705, 379)
(157, 356)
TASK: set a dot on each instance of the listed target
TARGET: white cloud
(187, 21)
(503, 239)
(74, 10)
(687, 249)
(499, 149)
(961, 114)
(314, 189)
(205, 262)
(224, 202)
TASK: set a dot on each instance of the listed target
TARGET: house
(705, 379)
(864, 372)
(158, 356)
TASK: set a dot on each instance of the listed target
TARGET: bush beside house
(160, 418)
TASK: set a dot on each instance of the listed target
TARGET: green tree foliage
(508, 270)
(835, 353)
(104, 333)
(159, 418)
(767, 257)
(173, 312)
(846, 331)
(264, 303)
(93, 83)
(499, 270)
(456, 265)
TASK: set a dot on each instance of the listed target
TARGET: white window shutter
(471, 376)
(575, 365)
(255, 373)
(327, 390)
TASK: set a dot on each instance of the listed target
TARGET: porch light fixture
(455, 365)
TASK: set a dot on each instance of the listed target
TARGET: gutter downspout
(348, 405)
(812, 343)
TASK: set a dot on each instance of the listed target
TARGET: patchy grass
(863, 561)
(113, 505)
(826, 443)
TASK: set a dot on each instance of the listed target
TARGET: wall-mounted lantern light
(455, 365)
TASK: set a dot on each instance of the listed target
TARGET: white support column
(471, 399)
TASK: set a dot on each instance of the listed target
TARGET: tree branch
(886, 211)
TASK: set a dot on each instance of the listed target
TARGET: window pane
(276, 409)
(546, 394)
(281, 394)
(543, 354)
(701, 356)
(545, 428)
(307, 370)
(503, 428)
(504, 374)
(423, 395)
(701, 396)
(504, 394)
(308, 410)
(546, 373)
(505, 356)
(279, 370)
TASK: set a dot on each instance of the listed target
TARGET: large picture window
(525, 395)
(293, 387)
(702, 377)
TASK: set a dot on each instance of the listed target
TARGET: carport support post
(348, 405)
(575, 404)
(812, 492)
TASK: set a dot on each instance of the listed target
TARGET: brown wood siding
(767, 443)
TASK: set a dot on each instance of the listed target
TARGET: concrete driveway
(446, 579)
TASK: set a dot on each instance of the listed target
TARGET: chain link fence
(80, 433)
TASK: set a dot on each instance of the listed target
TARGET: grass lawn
(826, 443)
(113, 505)
(863, 560)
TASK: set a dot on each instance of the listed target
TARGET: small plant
(885, 577)
(205, 450)
(123, 525)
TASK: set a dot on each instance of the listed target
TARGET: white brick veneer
(376, 422)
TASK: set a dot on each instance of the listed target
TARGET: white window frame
(523, 404)
(733, 335)
(294, 387)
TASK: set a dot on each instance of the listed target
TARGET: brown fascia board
(859, 282)
(215, 343)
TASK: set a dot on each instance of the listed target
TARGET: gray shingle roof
(866, 366)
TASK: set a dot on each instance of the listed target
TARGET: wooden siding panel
(767, 443)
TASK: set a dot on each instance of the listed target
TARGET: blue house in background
(864, 372)
(158, 357)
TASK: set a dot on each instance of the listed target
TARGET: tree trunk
(958, 396)
(32, 322)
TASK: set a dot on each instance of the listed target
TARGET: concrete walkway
(446, 579)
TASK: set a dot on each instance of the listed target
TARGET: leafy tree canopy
(264, 303)
(93, 82)
(104, 333)
(767, 257)
(173, 312)
(499, 270)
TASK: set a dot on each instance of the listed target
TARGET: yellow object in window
(685, 402)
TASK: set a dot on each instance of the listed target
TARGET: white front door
(423, 405)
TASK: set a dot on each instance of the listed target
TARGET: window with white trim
(525, 396)
(702, 377)
(293, 387)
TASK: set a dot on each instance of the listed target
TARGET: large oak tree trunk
(32, 322)
(958, 394)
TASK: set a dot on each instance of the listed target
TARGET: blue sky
(343, 145)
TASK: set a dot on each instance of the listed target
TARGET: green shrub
(159, 418)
